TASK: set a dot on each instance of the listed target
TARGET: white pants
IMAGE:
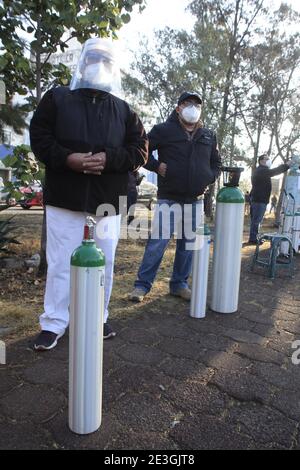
(64, 235)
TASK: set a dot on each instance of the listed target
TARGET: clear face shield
(97, 68)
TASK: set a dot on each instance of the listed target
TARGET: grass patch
(17, 319)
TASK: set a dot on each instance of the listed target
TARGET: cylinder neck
(88, 232)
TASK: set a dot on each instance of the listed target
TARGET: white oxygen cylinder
(200, 273)
(86, 335)
(227, 253)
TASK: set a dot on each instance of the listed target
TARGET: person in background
(273, 203)
(134, 180)
(247, 203)
(188, 161)
(261, 190)
(88, 140)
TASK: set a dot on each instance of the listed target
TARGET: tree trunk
(43, 263)
(232, 146)
(279, 204)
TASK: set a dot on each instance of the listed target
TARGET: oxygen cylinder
(227, 254)
(200, 273)
(290, 217)
(2, 352)
(86, 334)
(287, 230)
(296, 234)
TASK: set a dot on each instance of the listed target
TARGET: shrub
(6, 237)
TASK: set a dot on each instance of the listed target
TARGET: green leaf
(3, 62)
(125, 18)
(103, 24)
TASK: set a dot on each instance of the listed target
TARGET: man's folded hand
(87, 162)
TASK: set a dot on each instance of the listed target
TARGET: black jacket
(261, 182)
(192, 162)
(79, 121)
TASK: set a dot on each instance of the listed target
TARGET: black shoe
(108, 332)
(46, 340)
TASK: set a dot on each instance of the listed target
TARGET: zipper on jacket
(94, 99)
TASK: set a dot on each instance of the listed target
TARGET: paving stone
(242, 386)
(251, 306)
(261, 301)
(18, 354)
(227, 321)
(144, 411)
(133, 378)
(145, 337)
(288, 403)
(140, 354)
(184, 368)
(8, 382)
(260, 353)
(263, 317)
(145, 441)
(194, 397)
(33, 403)
(288, 305)
(24, 436)
(205, 325)
(263, 424)
(46, 372)
(265, 331)
(181, 348)
(111, 361)
(223, 360)
(279, 314)
(291, 326)
(278, 376)
(215, 342)
(281, 345)
(205, 432)
(244, 336)
(171, 329)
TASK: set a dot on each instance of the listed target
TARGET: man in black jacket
(188, 161)
(261, 190)
(88, 140)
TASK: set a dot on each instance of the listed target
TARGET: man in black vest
(88, 140)
(261, 190)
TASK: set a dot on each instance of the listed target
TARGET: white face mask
(98, 74)
(190, 114)
(268, 163)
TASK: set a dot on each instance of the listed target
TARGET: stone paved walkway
(172, 382)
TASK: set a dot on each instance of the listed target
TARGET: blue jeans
(165, 222)
(257, 215)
